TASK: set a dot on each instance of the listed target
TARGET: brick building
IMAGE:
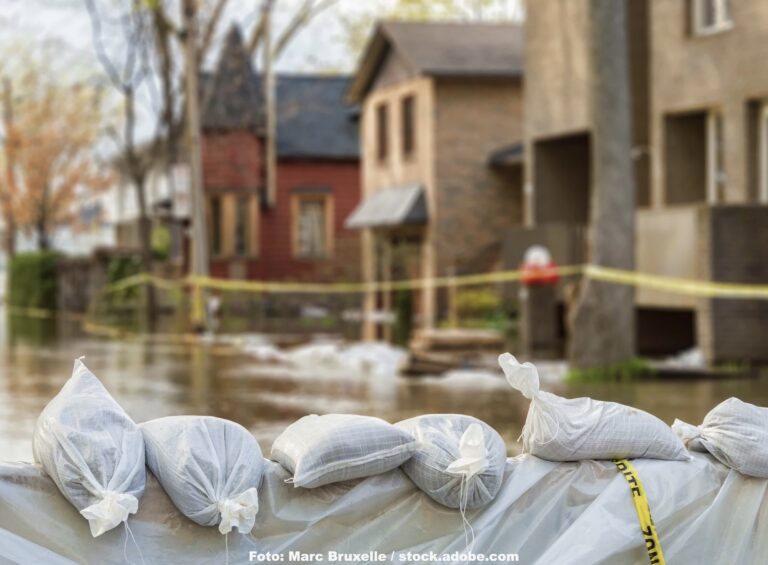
(300, 235)
(700, 117)
(438, 100)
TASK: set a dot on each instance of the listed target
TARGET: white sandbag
(211, 469)
(574, 429)
(735, 433)
(320, 450)
(460, 460)
(92, 450)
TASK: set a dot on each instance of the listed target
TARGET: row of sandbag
(212, 468)
(574, 429)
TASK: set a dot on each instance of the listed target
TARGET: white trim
(712, 151)
(762, 145)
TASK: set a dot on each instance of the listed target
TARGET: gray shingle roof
(313, 119)
(463, 49)
(231, 96)
(443, 49)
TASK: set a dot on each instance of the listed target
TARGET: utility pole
(10, 181)
(199, 267)
(269, 103)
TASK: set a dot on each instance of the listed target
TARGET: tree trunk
(9, 240)
(145, 245)
(41, 225)
(603, 321)
(43, 244)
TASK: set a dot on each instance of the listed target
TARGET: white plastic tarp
(545, 512)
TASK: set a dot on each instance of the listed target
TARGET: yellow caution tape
(704, 289)
(643, 509)
(707, 289)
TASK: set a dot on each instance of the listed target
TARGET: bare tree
(603, 322)
(8, 184)
(128, 27)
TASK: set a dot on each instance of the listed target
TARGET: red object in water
(538, 274)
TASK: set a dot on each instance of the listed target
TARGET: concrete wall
(720, 71)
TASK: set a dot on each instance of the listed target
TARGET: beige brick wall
(721, 71)
(474, 203)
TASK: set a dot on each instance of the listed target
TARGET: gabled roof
(313, 119)
(442, 49)
(232, 98)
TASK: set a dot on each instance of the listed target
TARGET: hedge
(32, 280)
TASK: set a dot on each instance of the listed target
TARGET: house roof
(313, 119)
(442, 49)
(231, 94)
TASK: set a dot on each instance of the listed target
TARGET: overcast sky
(61, 30)
(65, 25)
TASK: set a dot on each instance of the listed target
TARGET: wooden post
(428, 302)
(386, 276)
(369, 277)
(270, 155)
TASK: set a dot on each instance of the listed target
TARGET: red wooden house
(300, 235)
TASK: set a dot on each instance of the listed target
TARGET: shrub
(32, 280)
(120, 268)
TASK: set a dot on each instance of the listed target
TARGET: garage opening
(563, 179)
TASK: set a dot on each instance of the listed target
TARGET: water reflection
(161, 379)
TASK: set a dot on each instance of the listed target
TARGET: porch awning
(390, 207)
(507, 156)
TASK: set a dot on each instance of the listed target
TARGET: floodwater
(158, 379)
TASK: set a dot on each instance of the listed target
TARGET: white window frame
(763, 152)
(723, 17)
(714, 174)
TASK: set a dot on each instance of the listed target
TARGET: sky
(61, 31)
(65, 26)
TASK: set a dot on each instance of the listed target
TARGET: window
(233, 221)
(407, 114)
(710, 16)
(241, 226)
(382, 132)
(215, 225)
(312, 226)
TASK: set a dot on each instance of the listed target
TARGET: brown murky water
(161, 379)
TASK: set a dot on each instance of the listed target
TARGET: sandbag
(459, 462)
(735, 433)
(320, 450)
(211, 469)
(92, 450)
(574, 429)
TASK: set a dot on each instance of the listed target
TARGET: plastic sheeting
(546, 512)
